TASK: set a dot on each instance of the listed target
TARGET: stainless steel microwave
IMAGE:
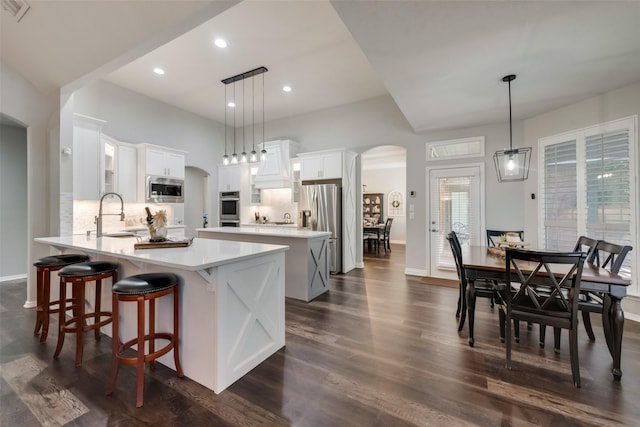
(160, 189)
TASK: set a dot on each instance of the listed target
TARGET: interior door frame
(481, 195)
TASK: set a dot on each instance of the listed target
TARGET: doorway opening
(455, 204)
(384, 182)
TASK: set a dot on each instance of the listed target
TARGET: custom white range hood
(275, 170)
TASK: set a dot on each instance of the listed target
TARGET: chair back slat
(539, 286)
(585, 244)
(609, 255)
(387, 226)
(456, 249)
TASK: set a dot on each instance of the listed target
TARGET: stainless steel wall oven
(229, 209)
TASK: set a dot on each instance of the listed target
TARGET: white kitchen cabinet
(338, 165)
(321, 165)
(119, 168)
(126, 172)
(274, 171)
(162, 161)
(229, 178)
(296, 183)
(88, 162)
(255, 193)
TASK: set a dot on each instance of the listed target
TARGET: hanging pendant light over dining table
(512, 164)
(241, 77)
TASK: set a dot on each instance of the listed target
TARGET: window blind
(458, 204)
(586, 184)
(560, 209)
(608, 209)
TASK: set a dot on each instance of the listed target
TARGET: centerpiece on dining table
(507, 240)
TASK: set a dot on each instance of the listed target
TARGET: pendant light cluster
(512, 164)
(243, 158)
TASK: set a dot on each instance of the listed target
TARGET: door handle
(434, 230)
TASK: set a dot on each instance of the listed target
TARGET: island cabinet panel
(231, 301)
(306, 261)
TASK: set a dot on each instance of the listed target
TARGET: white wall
(377, 122)
(360, 126)
(612, 105)
(13, 208)
(24, 104)
(135, 118)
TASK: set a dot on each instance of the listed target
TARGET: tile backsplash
(275, 203)
(85, 211)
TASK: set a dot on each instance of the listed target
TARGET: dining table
(373, 228)
(480, 263)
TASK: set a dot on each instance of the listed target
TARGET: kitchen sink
(119, 234)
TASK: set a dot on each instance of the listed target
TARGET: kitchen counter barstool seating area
(141, 288)
(44, 267)
(79, 275)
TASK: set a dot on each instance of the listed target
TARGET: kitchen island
(306, 262)
(231, 297)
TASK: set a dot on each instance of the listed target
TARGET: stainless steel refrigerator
(320, 208)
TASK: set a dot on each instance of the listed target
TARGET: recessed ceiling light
(231, 104)
(158, 71)
(220, 43)
(286, 88)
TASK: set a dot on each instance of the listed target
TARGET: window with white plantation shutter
(588, 188)
(560, 202)
(608, 197)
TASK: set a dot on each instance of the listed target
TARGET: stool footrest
(147, 357)
(88, 327)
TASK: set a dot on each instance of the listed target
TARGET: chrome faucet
(98, 219)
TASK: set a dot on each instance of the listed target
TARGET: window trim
(629, 123)
(480, 153)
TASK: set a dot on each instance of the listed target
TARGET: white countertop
(269, 224)
(203, 253)
(267, 231)
(145, 228)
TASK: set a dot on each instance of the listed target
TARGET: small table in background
(373, 229)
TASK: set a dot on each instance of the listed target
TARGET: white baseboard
(415, 272)
(16, 277)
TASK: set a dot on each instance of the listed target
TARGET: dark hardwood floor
(380, 349)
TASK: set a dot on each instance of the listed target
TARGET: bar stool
(44, 267)
(141, 288)
(79, 275)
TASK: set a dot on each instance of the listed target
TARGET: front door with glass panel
(455, 204)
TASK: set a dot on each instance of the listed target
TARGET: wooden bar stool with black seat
(141, 288)
(79, 275)
(44, 306)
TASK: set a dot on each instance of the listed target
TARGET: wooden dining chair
(587, 245)
(542, 297)
(611, 257)
(386, 233)
(469, 290)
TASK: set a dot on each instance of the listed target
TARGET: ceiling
(441, 62)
